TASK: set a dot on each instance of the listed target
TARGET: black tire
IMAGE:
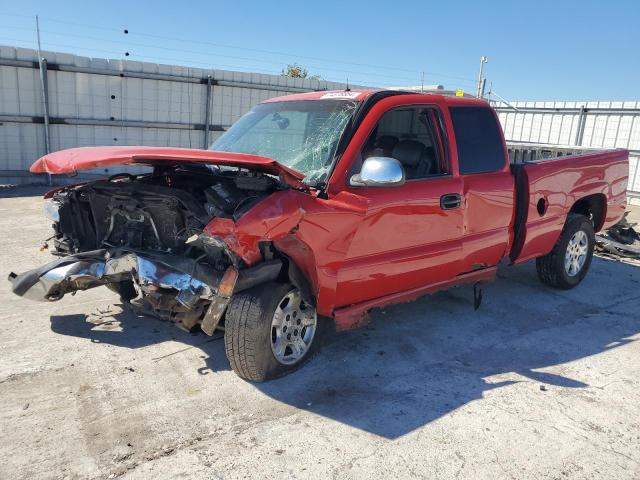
(247, 335)
(551, 269)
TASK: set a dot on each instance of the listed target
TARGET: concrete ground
(634, 214)
(538, 383)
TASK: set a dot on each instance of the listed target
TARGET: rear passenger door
(411, 234)
(488, 186)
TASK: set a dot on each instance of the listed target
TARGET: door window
(412, 136)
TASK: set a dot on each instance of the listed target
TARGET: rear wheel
(568, 263)
(269, 331)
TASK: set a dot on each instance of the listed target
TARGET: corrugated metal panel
(115, 98)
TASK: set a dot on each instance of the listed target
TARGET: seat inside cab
(407, 134)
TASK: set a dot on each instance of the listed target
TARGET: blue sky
(537, 50)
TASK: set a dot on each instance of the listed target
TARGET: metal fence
(584, 125)
(93, 101)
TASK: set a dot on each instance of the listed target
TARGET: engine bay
(159, 212)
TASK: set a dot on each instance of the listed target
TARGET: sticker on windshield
(341, 95)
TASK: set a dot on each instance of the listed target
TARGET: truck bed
(554, 181)
(520, 152)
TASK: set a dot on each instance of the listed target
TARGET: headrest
(409, 152)
(386, 142)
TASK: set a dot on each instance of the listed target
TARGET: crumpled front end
(171, 287)
(145, 237)
(91, 269)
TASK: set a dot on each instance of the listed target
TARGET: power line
(206, 65)
(234, 57)
(272, 52)
(157, 59)
(390, 79)
(396, 78)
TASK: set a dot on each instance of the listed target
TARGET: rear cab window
(478, 140)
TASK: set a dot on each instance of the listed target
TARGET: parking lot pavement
(538, 383)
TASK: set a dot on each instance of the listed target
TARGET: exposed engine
(143, 237)
(158, 212)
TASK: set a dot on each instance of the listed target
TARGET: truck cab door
(488, 186)
(411, 235)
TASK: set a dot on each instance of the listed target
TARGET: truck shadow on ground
(117, 326)
(417, 362)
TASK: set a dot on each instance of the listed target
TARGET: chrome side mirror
(379, 172)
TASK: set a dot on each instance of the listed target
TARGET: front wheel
(568, 263)
(269, 331)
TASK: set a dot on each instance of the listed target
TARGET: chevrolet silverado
(314, 208)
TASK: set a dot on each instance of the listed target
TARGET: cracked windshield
(302, 135)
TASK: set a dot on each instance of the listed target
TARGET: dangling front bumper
(87, 270)
(186, 282)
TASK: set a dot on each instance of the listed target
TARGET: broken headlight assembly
(52, 209)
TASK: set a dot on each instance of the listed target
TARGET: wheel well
(593, 207)
(290, 271)
(294, 274)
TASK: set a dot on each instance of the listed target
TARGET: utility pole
(479, 92)
(45, 95)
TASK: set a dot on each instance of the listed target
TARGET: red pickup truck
(313, 209)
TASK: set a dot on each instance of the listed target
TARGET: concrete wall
(113, 105)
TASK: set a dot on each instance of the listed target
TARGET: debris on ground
(620, 240)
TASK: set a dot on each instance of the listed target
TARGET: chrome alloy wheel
(576, 253)
(293, 327)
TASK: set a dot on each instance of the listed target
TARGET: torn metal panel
(219, 303)
(607, 245)
(214, 314)
(55, 279)
(299, 225)
(264, 222)
(620, 240)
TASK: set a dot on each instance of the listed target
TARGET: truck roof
(361, 94)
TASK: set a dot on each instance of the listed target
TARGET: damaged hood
(87, 158)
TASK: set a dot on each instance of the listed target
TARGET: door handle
(450, 201)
